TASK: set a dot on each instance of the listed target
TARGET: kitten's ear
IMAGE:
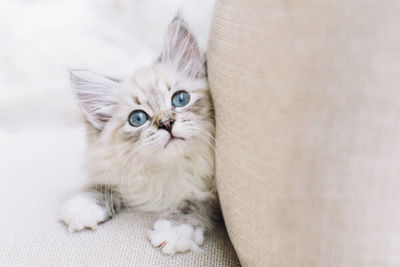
(96, 95)
(182, 50)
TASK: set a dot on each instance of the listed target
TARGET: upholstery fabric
(307, 100)
(30, 198)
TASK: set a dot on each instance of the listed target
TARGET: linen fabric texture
(307, 100)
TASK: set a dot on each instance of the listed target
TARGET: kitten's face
(162, 110)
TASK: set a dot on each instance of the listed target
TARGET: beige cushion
(307, 99)
(39, 170)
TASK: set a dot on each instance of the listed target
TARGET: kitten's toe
(198, 236)
(175, 238)
(82, 212)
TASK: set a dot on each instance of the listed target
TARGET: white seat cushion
(39, 170)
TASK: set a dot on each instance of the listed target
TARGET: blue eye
(138, 118)
(180, 99)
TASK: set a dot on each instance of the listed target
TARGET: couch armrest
(307, 100)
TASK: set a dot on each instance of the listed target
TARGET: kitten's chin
(173, 141)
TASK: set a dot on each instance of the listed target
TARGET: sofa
(307, 104)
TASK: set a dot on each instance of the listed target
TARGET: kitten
(150, 146)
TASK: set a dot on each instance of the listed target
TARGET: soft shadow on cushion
(307, 106)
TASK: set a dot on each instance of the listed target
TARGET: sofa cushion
(41, 168)
(307, 106)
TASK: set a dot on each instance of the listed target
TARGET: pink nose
(166, 125)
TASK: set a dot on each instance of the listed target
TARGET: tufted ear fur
(182, 50)
(95, 94)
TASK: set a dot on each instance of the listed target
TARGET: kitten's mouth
(173, 139)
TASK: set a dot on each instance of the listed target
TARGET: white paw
(81, 212)
(176, 238)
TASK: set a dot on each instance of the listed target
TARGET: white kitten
(150, 145)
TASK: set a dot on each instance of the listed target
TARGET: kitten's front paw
(81, 212)
(176, 238)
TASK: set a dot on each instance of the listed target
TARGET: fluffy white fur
(140, 167)
(81, 212)
(176, 238)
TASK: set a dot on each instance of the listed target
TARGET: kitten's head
(162, 110)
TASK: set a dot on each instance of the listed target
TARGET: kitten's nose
(166, 125)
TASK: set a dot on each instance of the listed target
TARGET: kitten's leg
(90, 207)
(182, 228)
